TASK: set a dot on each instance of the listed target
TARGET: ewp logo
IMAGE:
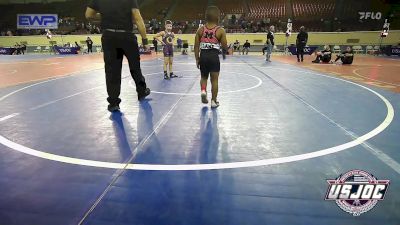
(37, 21)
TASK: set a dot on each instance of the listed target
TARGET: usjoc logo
(356, 191)
(37, 21)
(307, 50)
(370, 15)
(65, 50)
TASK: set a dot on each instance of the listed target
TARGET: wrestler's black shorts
(347, 60)
(209, 62)
(326, 58)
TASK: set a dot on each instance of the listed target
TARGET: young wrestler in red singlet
(210, 38)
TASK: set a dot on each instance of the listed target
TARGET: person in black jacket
(270, 43)
(118, 39)
(155, 43)
(301, 42)
(89, 44)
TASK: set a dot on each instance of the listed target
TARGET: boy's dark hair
(168, 22)
(212, 14)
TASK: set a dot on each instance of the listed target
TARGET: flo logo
(356, 191)
(370, 15)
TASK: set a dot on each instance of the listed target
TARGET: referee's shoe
(143, 95)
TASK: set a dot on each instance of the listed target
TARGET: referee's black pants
(300, 51)
(115, 46)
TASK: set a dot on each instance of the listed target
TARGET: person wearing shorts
(208, 42)
(167, 40)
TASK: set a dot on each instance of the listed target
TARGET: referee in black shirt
(117, 18)
(301, 42)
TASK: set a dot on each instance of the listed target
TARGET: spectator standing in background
(89, 44)
(236, 46)
(301, 42)
(233, 19)
(246, 47)
(179, 43)
(155, 44)
(270, 43)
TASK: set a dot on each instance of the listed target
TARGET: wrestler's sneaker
(214, 104)
(204, 97)
(166, 77)
(172, 75)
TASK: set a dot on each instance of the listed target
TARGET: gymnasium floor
(262, 157)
